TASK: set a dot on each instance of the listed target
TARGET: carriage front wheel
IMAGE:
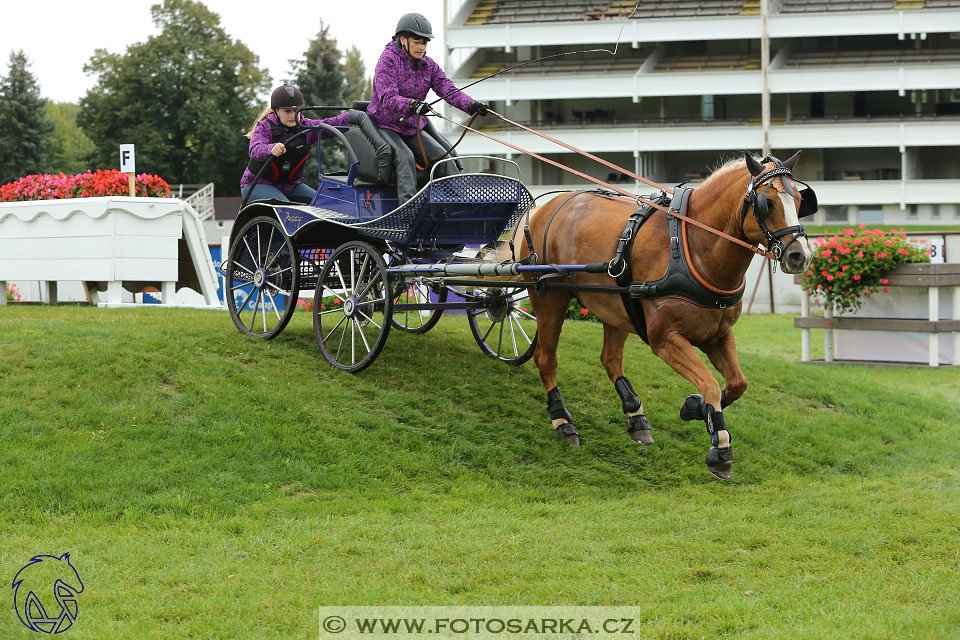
(352, 306)
(263, 278)
(505, 327)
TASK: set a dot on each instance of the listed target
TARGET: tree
(185, 97)
(320, 76)
(357, 86)
(70, 149)
(326, 77)
(24, 128)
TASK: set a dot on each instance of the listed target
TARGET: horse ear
(754, 166)
(790, 162)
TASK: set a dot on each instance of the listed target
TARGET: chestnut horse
(584, 228)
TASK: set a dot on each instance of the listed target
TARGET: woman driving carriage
(401, 80)
(272, 129)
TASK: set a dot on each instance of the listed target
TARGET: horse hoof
(569, 434)
(639, 429)
(720, 462)
(692, 408)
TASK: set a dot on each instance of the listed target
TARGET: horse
(576, 228)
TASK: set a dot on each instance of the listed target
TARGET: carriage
(372, 263)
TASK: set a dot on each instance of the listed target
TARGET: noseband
(758, 203)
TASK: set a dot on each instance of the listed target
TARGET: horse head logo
(32, 587)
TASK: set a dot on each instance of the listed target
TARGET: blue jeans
(270, 192)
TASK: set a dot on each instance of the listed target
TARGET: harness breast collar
(681, 279)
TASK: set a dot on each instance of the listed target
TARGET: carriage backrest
(374, 154)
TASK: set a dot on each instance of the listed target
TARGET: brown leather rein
(638, 199)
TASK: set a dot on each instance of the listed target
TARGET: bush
(92, 184)
(575, 311)
(852, 265)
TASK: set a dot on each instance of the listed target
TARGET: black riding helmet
(286, 96)
(416, 24)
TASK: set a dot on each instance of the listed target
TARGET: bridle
(757, 202)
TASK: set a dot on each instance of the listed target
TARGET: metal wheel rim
(262, 273)
(351, 331)
(416, 321)
(509, 337)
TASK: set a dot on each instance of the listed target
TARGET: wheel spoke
(487, 334)
(362, 336)
(267, 261)
(520, 327)
(342, 283)
(513, 336)
(369, 319)
(250, 251)
(263, 311)
(256, 305)
(274, 303)
(500, 340)
(245, 300)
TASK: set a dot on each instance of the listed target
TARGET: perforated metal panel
(464, 209)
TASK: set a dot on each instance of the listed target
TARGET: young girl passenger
(283, 180)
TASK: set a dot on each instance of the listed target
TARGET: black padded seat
(374, 153)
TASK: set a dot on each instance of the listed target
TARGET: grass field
(208, 485)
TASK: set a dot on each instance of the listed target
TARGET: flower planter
(916, 322)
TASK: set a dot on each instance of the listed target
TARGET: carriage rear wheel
(416, 320)
(263, 276)
(351, 306)
(506, 327)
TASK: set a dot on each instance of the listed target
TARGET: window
(912, 212)
(870, 216)
(835, 214)
(935, 212)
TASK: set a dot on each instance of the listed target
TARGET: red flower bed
(92, 184)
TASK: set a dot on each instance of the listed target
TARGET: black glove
(419, 107)
(479, 107)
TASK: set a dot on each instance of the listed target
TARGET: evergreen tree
(320, 75)
(326, 77)
(357, 86)
(185, 97)
(24, 128)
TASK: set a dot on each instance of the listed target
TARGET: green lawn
(208, 485)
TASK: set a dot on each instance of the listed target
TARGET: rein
(427, 161)
(638, 199)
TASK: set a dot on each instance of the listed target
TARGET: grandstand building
(869, 89)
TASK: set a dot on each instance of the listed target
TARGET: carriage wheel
(506, 327)
(263, 277)
(351, 308)
(417, 292)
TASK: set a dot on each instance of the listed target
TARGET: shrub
(92, 184)
(852, 265)
(13, 294)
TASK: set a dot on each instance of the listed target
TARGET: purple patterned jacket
(396, 82)
(261, 142)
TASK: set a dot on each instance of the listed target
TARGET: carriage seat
(374, 153)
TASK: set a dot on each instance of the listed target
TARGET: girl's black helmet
(416, 24)
(286, 96)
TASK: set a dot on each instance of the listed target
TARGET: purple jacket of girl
(262, 142)
(396, 81)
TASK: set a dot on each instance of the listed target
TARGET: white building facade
(869, 89)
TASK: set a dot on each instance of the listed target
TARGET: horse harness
(681, 279)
